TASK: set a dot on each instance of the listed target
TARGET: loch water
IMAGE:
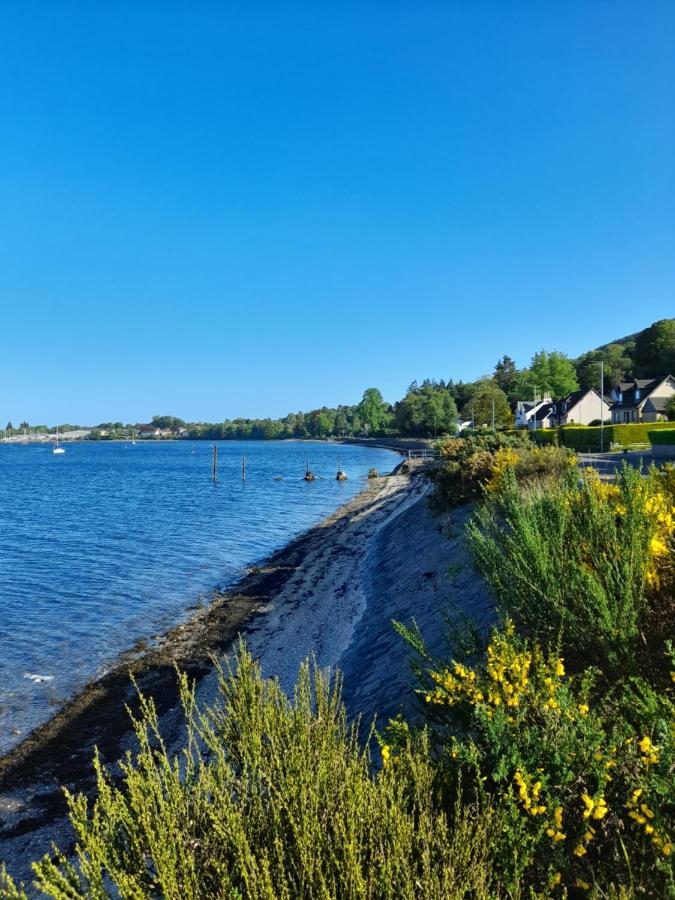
(110, 544)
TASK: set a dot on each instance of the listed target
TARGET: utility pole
(602, 404)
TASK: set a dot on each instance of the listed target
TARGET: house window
(620, 396)
(637, 393)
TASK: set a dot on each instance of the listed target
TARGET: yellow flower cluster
(529, 794)
(650, 753)
(659, 508)
(594, 808)
(643, 816)
(455, 686)
(656, 499)
(510, 672)
(504, 459)
(554, 830)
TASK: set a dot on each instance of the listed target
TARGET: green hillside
(650, 352)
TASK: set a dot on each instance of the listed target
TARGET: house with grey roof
(578, 408)
(642, 400)
(525, 411)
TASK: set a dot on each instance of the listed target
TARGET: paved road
(607, 464)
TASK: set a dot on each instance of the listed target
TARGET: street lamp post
(602, 404)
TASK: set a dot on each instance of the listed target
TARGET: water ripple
(111, 543)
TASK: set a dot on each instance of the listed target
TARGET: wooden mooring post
(215, 462)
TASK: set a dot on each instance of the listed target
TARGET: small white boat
(56, 448)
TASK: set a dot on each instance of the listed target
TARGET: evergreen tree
(506, 376)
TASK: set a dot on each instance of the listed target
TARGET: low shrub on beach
(470, 465)
(271, 798)
(583, 562)
(583, 782)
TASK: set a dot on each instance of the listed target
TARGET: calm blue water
(110, 543)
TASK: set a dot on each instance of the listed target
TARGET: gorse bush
(576, 562)
(272, 798)
(532, 464)
(585, 794)
(470, 464)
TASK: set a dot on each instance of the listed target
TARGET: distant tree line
(433, 408)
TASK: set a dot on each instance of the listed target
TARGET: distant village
(642, 400)
(630, 402)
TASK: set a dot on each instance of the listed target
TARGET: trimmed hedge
(586, 437)
(583, 437)
(636, 434)
(663, 436)
(545, 436)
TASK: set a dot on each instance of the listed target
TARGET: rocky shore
(333, 593)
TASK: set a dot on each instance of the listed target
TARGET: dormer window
(637, 393)
(620, 396)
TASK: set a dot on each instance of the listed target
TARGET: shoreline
(331, 593)
(60, 751)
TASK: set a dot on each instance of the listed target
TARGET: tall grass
(272, 798)
(572, 562)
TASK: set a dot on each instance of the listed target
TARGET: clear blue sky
(220, 209)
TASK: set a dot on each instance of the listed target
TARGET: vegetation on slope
(543, 765)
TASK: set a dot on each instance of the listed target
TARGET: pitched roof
(657, 403)
(638, 382)
(628, 388)
(544, 411)
(573, 398)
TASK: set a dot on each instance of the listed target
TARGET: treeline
(434, 407)
(427, 409)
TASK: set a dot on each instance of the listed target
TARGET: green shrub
(636, 433)
(587, 438)
(467, 464)
(583, 781)
(574, 562)
(664, 436)
(544, 436)
(272, 798)
(583, 438)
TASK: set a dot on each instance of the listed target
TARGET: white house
(526, 410)
(582, 408)
(578, 408)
